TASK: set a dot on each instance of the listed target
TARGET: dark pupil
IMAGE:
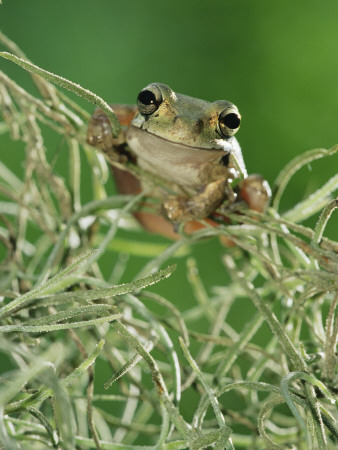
(231, 121)
(147, 98)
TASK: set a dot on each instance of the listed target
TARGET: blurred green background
(277, 61)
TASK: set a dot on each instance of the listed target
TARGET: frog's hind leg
(125, 182)
(125, 113)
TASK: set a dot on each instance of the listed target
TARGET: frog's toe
(99, 132)
(174, 209)
(256, 192)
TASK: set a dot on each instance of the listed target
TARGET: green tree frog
(190, 145)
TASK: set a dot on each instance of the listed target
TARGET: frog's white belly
(178, 163)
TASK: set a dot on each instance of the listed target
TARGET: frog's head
(186, 120)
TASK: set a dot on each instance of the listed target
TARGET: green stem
(293, 166)
(161, 388)
(64, 83)
(323, 219)
(268, 315)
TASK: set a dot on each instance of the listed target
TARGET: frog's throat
(183, 165)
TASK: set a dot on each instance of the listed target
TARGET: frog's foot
(181, 209)
(99, 132)
(256, 192)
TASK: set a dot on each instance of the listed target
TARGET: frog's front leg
(182, 209)
(99, 132)
(99, 135)
(255, 192)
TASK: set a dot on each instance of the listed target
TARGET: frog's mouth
(219, 145)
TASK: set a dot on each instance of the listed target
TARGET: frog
(190, 145)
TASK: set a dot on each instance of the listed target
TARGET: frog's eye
(149, 100)
(229, 121)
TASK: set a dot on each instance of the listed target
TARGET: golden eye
(229, 121)
(149, 99)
